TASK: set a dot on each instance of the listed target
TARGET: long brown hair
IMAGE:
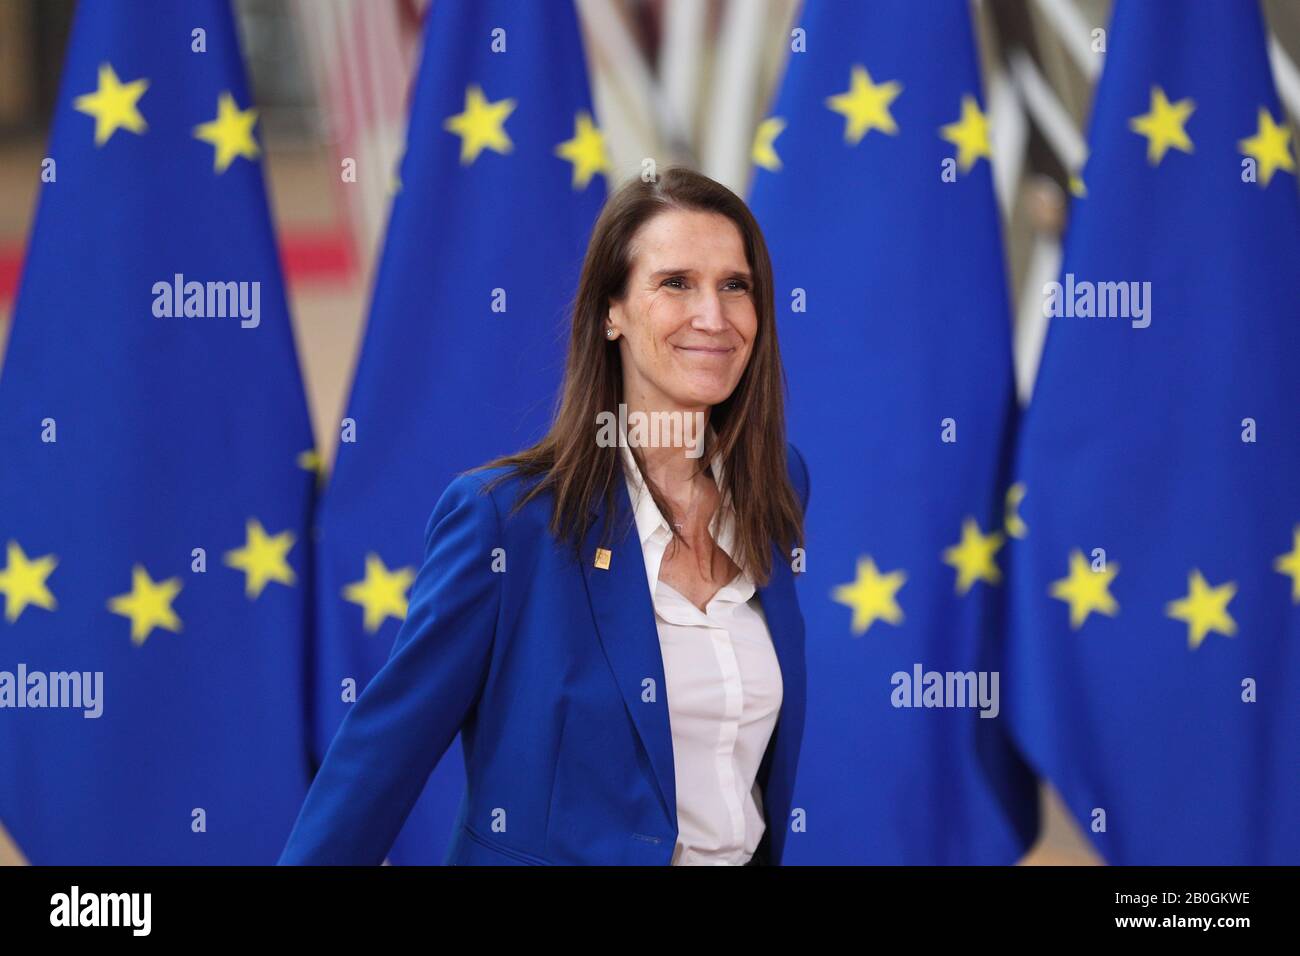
(749, 424)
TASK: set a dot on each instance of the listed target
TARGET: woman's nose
(708, 312)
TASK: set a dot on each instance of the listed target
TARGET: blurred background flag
(1156, 649)
(503, 175)
(874, 191)
(147, 412)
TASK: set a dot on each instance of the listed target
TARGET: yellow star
(113, 104)
(865, 106)
(586, 151)
(1204, 609)
(1269, 147)
(763, 152)
(311, 460)
(1086, 590)
(22, 582)
(1163, 126)
(262, 558)
(1289, 563)
(382, 592)
(1011, 520)
(481, 126)
(973, 556)
(148, 604)
(871, 596)
(970, 134)
(231, 133)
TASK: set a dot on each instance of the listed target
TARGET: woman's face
(687, 321)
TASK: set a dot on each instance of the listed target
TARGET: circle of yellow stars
(481, 125)
(382, 592)
(263, 559)
(866, 108)
(1085, 590)
(1164, 125)
(24, 582)
(872, 596)
(115, 105)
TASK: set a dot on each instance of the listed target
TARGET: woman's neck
(669, 466)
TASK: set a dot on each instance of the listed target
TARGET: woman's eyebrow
(738, 273)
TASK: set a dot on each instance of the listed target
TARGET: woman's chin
(700, 397)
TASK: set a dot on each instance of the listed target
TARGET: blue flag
(1155, 656)
(503, 176)
(875, 194)
(152, 504)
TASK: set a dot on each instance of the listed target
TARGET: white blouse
(724, 693)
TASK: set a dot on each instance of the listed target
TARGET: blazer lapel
(625, 623)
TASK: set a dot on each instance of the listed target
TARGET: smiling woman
(611, 625)
(689, 330)
(675, 313)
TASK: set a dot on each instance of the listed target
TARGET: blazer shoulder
(496, 490)
(799, 477)
(464, 502)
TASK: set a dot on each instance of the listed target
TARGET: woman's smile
(706, 351)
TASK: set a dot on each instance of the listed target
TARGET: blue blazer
(552, 673)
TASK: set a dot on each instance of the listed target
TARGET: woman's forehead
(691, 239)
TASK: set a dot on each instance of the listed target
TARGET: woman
(630, 689)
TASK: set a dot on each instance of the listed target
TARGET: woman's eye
(733, 285)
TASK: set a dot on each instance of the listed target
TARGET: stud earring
(609, 333)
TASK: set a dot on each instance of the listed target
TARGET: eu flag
(152, 503)
(1155, 655)
(874, 191)
(503, 176)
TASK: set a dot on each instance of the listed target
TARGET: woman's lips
(704, 349)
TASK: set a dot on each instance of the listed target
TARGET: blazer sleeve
(407, 716)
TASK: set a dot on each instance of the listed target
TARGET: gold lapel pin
(602, 559)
